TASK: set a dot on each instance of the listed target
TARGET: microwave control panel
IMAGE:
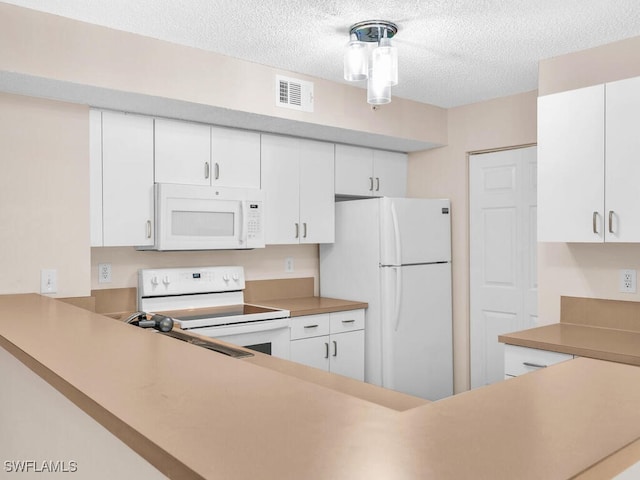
(255, 234)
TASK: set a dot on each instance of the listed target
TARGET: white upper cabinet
(622, 172)
(182, 152)
(571, 166)
(587, 174)
(364, 172)
(235, 158)
(297, 178)
(197, 154)
(122, 171)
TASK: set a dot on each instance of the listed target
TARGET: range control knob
(166, 280)
(154, 280)
(236, 277)
(225, 277)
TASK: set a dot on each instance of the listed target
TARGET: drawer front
(347, 321)
(308, 326)
(520, 360)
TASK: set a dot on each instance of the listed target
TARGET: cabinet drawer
(309, 326)
(347, 321)
(520, 360)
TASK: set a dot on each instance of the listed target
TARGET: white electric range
(210, 301)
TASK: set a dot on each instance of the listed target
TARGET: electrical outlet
(48, 281)
(104, 273)
(288, 264)
(628, 281)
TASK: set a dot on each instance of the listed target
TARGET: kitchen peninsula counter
(237, 419)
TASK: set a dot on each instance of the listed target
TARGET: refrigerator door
(415, 230)
(417, 338)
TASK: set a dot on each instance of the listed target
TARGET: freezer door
(417, 338)
(415, 230)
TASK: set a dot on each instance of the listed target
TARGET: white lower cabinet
(521, 360)
(332, 342)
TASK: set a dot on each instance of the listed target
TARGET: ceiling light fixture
(377, 65)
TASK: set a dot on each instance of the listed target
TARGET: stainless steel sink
(209, 345)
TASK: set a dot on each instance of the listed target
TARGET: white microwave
(195, 217)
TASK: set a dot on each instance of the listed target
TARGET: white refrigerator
(395, 254)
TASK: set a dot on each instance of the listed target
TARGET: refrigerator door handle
(396, 312)
(396, 234)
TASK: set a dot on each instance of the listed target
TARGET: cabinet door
(347, 354)
(354, 171)
(313, 352)
(182, 152)
(317, 197)
(622, 166)
(127, 179)
(235, 158)
(389, 174)
(280, 181)
(95, 177)
(571, 166)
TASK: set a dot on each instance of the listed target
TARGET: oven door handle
(241, 328)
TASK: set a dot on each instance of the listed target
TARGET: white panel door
(127, 179)
(571, 166)
(280, 183)
(503, 280)
(317, 197)
(417, 339)
(313, 352)
(389, 174)
(423, 233)
(354, 171)
(235, 158)
(622, 166)
(182, 152)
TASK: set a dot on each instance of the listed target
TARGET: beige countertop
(582, 340)
(250, 420)
(299, 306)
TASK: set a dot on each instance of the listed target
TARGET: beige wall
(584, 270)
(43, 45)
(259, 264)
(443, 172)
(44, 193)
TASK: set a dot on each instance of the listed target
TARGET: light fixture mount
(373, 30)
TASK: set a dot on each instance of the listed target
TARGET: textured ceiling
(451, 52)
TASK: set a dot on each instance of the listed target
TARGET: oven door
(267, 336)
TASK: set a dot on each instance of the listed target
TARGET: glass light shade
(378, 92)
(356, 61)
(384, 62)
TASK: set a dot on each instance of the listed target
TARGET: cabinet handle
(595, 222)
(610, 221)
(377, 184)
(348, 321)
(304, 225)
(326, 350)
(371, 184)
(206, 169)
(335, 348)
(217, 171)
(148, 228)
(311, 326)
(297, 230)
(534, 365)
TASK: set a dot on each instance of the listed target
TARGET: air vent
(294, 93)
